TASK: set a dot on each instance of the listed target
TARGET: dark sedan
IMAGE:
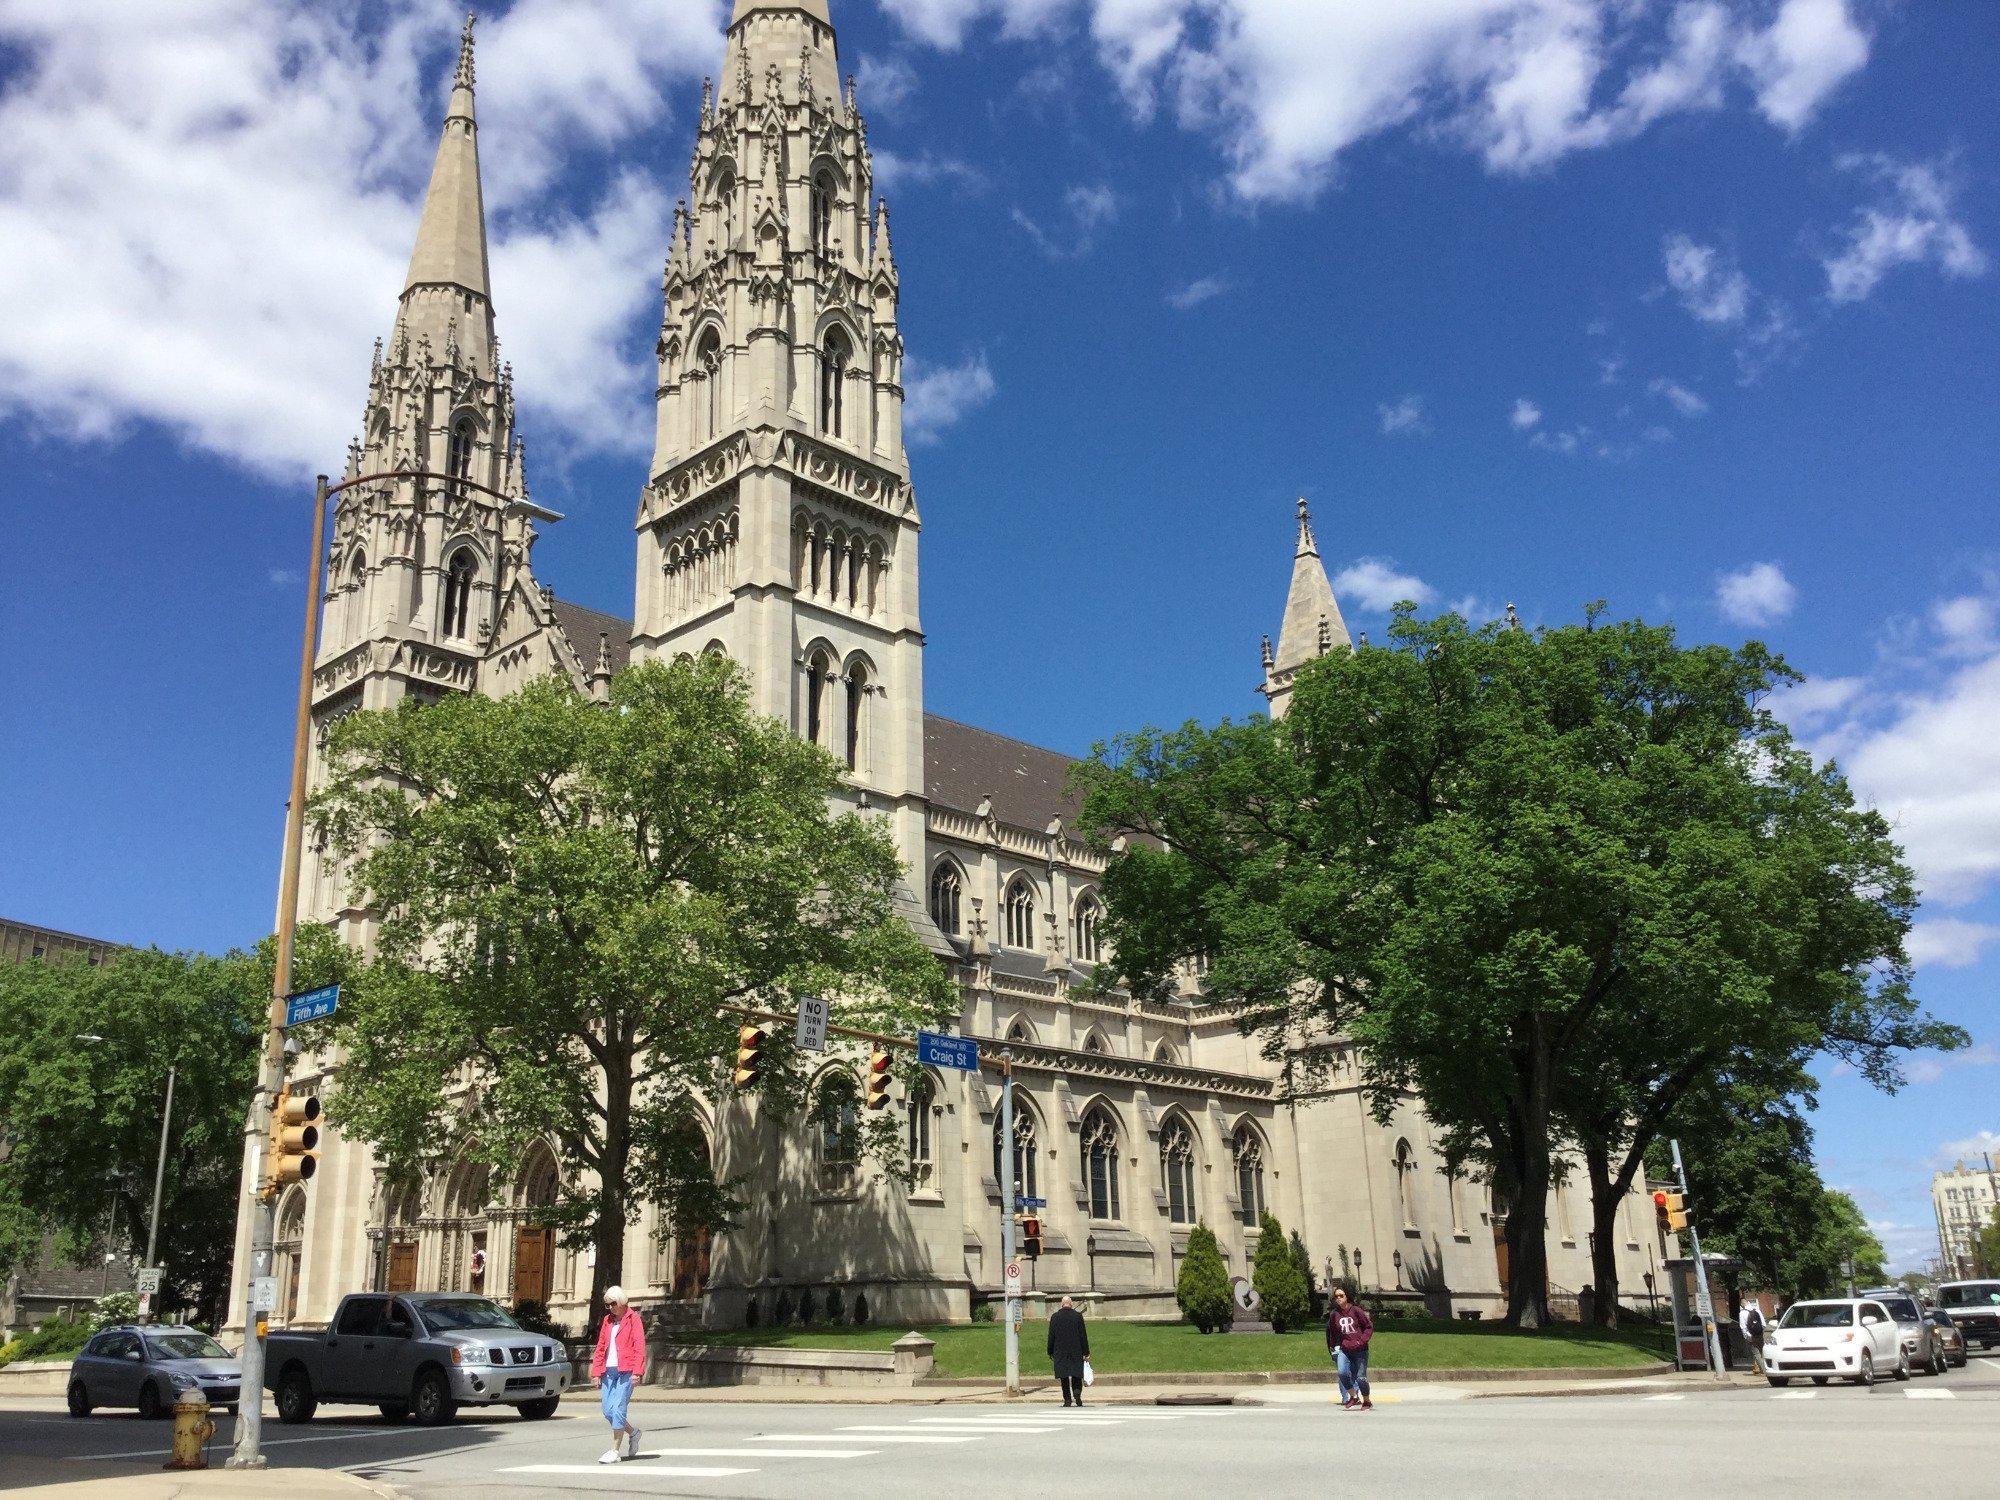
(1946, 1338)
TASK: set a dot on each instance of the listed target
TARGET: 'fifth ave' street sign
(312, 1005)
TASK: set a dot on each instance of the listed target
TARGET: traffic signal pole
(248, 1452)
(1707, 1308)
(1007, 1280)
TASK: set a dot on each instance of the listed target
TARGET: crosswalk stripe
(754, 1453)
(974, 1427)
(1793, 1395)
(643, 1471)
(873, 1437)
(1930, 1395)
(1675, 1397)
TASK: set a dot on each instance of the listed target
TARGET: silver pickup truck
(416, 1354)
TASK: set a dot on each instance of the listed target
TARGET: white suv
(1844, 1338)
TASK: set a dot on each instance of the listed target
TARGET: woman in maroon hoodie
(1348, 1330)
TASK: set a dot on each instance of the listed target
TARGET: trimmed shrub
(1202, 1289)
(836, 1306)
(116, 1307)
(807, 1307)
(55, 1338)
(534, 1317)
(983, 1313)
(1281, 1290)
(860, 1309)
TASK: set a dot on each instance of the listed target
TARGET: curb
(1327, 1377)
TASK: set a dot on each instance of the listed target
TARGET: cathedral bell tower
(779, 525)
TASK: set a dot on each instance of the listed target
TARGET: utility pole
(1011, 1301)
(159, 1180)
(248, 1452)
(1700, 1275)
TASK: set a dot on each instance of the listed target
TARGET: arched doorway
(534, 1240)
(465, 1228)
(288, 1250)
(692, 1245)
(399, 1239)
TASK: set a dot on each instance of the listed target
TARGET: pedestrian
(1069, 1350)
(619, 1362)
(1751, 1321)
(1348, 1330)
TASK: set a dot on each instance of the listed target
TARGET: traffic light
(1031, 1237)
(1671, 1210)
(294, 1154)
(749, 1056)
(878, 1079)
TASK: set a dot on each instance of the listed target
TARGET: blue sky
(1681, 305)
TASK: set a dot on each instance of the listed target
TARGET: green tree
(1282, 1293)
(1202, 1288)
(1518, 870)
(569, 893)
(82, 1117)
(1987, 1246)
(1839, 1247)
(1302, 1262)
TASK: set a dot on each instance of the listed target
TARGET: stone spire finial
(451, 235)
(464, 78)
(1267, 656)
(1513, 620)
(1307, 546)
(1313, 625)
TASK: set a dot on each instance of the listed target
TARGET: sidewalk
(208, 1484)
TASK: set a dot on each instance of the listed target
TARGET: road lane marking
(619, 1471)
(970, 1429)
(318, 1437)
(1793, 1395)
(835, 1437)
(1676, 1397)
(753, 1453)
(1930, 1395)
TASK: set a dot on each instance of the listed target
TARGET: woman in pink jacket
(619, 1362)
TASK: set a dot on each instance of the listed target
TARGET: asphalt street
(1899, 1438)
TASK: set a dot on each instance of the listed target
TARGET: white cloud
(1968, 1148)
(1568, 442)
(1683, 400)
(1811, 47)
(1204, 289)
(1915, 222)
(1374, 584)
(1816, 700)
(1525, 415)
(1403, 418)
(206, 209)
(1759, 594)
(1949, 942)
(1087, 208)
(1707, 282)
(1966, 624)
(1284, 86)
(895, 171)
(937, 397)
(884, 85)
(1929, 1067)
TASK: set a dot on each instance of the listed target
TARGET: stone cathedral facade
(779, 525)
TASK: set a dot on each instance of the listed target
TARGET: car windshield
(447, 1314)
(1939, 1319)
(1902, 1309)
(184, 1346)
(1971, 1294)
(1819, 1315)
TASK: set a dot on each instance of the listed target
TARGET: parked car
(1918, 1341)
(1975, 1307)
(421, 1354)
(151, 1368)
(1944, 1332)
(1845, 1338)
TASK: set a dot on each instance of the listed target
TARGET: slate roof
(1028, 785)
(583, 626)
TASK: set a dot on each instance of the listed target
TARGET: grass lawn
(977, 1349)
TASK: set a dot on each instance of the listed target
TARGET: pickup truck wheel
(394, 1411)
(296, 1402)
(541, 1409)
(431, 1402)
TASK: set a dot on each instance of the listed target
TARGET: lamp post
(1357, 1265)
(159, 1178)
(1090, 1249)
(1397, 1257)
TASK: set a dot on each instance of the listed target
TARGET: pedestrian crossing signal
(749, 1056)
(1031, 1237)
(878, 1080)
(1671, 1210)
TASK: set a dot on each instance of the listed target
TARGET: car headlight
(182, 1382)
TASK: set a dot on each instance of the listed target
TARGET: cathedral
(779, 525)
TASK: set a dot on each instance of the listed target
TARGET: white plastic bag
(1089, 1375)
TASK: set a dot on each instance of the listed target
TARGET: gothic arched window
(922, 1103)
(1406, 1184)
(1177, 1170)
(1018, 915)
(1083, 929)
(946, 889)
(708, 355)
(834, 360)
(725, 208)
(357, 579)
(458, 575)
(1026, 1179)
(823, 195)
(857, 706)
(819, 679)
(458, 453)
(838, 1130)
(1100, 1164)
(1249, 1154)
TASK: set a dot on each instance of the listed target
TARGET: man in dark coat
(1069, 1347)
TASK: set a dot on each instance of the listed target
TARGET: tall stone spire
(449, 280)
(1313, 625)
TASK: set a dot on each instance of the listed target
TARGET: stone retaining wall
(47, 1378)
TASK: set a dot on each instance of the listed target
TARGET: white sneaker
(610, 1457)
(631, 1442)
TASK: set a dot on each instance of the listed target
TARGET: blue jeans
(1353, 1373)
(613, 1392)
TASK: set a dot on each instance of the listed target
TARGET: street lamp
(1090, 1249)
(1357, 1265)
(1397, 1257)
(159, 1178)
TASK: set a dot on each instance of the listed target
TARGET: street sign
(264, 1294)
(312, 1005)
(1013, 1278)
(940, 1051)
(149, 1281)
(813, 1014)
(1031, 1203)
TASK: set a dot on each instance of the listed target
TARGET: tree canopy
(1547, 882)
(568, 895)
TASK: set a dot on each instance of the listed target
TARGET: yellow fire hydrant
(192, 1429)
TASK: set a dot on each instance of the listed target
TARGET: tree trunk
(1605, 1196)
(1527, 1234)
(608, 1234)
